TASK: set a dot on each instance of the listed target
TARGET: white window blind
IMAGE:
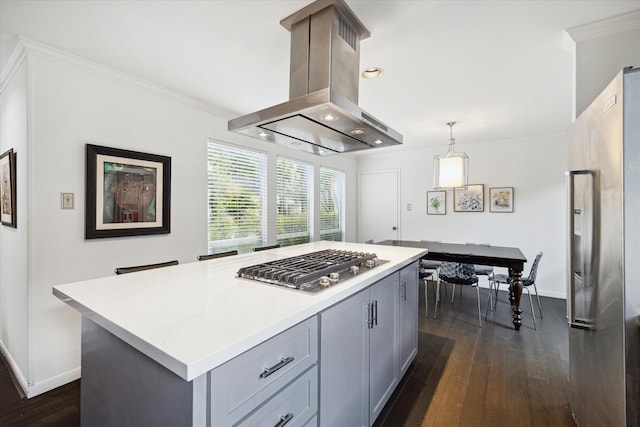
(332, 197)
(294, 201)
(237, 198)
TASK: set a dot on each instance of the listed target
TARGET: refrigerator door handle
(572, 271)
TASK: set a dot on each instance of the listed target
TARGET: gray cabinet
(344, 370)
(359, 367)
(408, 317)
(276, 380)
(383, 354)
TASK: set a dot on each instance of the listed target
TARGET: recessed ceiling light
(329, 117)
(372, 73)
(377, 141)
(356, 131)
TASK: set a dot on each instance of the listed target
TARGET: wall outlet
(408, 206)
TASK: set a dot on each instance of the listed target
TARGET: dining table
(496, 256)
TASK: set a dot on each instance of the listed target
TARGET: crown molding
(606, 27)
(15, 60)
(28, 47)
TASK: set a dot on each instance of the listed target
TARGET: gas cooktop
(314, 271)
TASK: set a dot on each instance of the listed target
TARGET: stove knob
(354, 269)
(370, 263)
(324, 281)
(334, 277)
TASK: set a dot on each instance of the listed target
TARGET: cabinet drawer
(294, 406)
(245, 382)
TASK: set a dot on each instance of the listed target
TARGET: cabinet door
(408, 317)
(344, 363)
(383, 343)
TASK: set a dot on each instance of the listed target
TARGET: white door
(378, 216)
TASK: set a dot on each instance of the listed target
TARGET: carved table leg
(515, 292)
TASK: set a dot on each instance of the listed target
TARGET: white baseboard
(542, 292)
(53, 382)
(43, 386)
(22, 382)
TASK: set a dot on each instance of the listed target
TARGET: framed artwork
(8, 189)
(501, 199)
(470, 199)
(128, 193)
(436, 202)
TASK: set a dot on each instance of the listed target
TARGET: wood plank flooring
(57, 408)
(463, 375)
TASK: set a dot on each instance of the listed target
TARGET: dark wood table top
(497, 256)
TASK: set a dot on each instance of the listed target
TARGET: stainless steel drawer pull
(375, 312)
(284, 420)
(283, 362)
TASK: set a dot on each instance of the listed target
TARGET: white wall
(601, 50)
(14, 316)
(533, 166)
(74, 102)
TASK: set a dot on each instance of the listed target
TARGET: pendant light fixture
(450, 170)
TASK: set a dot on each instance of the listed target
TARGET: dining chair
(461, 274)
(434, 268)
(483, 270)
(429, 275)
(527, 282)
(125, 270)
(217, 255)
(264, 248)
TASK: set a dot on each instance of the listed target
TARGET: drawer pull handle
(284, 420)
(283, 362)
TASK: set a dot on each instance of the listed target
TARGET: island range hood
(322, 115)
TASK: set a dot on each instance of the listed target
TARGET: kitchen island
(195, 345)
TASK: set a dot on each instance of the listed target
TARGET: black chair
(526, 283)
(125, 270)
(264, 248)
(217, 255)
(483, 270)
(461, 274)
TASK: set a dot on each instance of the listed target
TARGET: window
(237, 198)
(294, 186)
(331, 204)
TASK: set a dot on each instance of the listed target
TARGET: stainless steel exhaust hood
(322, 115)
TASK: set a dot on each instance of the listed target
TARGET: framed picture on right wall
(501, 199)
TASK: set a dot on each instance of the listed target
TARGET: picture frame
(8, 189)
(128, 193)
(501, 199)
(469, 199)
(436, 202)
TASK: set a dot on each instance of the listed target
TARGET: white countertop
(193, 317)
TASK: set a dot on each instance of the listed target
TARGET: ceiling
(496, 67)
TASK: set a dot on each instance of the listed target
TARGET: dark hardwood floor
(56, 408)
(463, 375)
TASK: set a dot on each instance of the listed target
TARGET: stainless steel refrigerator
(603, 272)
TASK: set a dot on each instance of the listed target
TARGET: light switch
(66, 200)
(408, 206)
